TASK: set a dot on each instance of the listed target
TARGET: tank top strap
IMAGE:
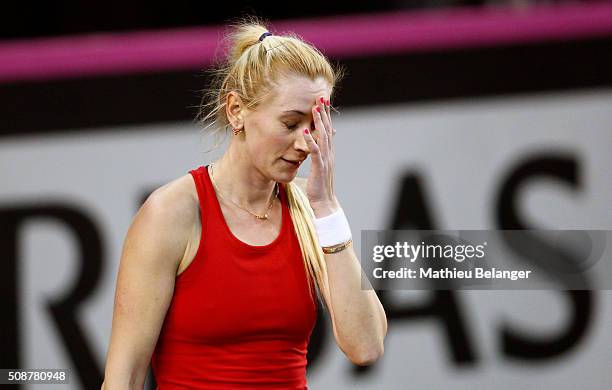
(202, 194)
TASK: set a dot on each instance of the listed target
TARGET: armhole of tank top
(195, 175)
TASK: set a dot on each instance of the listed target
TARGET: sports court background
(453, 115)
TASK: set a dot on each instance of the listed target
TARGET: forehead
(296, 91)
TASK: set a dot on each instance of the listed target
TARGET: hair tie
(262, 37)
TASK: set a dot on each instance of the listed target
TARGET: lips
(293, 162)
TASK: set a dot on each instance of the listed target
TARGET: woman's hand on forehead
(320, 186)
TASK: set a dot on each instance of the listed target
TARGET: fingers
(322, 103)
(322, 132)
(328, 112)
(315, 151)
(322, 153)
(326, 119)
(326, 136)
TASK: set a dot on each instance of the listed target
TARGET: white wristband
(332, 229)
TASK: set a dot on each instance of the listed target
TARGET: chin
(284, 176)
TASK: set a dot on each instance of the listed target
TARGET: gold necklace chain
(258, 216)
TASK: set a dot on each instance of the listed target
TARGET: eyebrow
(288, 112)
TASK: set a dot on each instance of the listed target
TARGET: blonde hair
(251, 69)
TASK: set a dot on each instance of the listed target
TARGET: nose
(300, 143)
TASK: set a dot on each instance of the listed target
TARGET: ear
(235, 110)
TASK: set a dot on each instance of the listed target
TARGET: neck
(239, 180)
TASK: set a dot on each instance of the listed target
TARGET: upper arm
(153, 247)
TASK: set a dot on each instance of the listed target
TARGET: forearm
(122, 383)
(119, 375)
(360, 319)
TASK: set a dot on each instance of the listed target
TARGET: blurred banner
(534, 160)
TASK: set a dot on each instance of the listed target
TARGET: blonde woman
(221, 268)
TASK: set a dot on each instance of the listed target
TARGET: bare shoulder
(179, 195)
(167, 218)
(176, 201)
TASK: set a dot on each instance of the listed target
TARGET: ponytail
(302, 216)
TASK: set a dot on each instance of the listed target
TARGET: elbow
(367, 356)
(111, 385)
(123, 382)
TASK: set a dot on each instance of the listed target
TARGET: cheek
(270, 140)
(277, 145)
(269, 147)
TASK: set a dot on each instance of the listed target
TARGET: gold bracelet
(337, 248)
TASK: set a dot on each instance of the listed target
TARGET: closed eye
(293, 126)
(290, 126)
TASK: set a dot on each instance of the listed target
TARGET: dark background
(76, 103)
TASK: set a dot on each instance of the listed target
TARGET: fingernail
(327, 102)
(321, 99)
(318, 109)
(306, 131)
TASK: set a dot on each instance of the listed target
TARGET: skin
(164, 235)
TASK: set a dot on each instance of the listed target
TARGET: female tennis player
(221, 268)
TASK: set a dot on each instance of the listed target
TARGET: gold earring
(237, 131)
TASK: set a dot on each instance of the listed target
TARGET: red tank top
(241, 316)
